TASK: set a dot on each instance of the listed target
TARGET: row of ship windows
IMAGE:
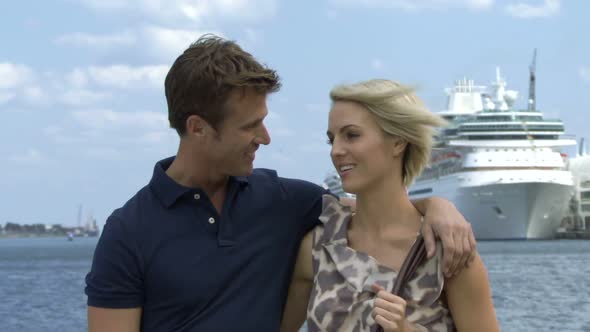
(511, 128)
(509, 118)
(490, 160)
(515, 137)
(515, 149)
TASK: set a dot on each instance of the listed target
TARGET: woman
(381, 137)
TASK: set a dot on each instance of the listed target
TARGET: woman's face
(362, 153)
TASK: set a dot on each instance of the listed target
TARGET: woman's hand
(389, 311)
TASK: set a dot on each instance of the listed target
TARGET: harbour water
(537, 285)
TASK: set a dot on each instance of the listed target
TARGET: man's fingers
(458, 255)
(449, 249)
(466, 253)
(473, 245)
(429, 240)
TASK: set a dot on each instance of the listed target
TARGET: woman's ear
(399, 146)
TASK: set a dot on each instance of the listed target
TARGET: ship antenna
(532, 101)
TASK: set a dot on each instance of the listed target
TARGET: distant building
(580, 168)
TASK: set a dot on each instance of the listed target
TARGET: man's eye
(252, 126)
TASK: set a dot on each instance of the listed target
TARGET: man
(209, 244)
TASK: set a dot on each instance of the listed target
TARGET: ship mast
(532, 101)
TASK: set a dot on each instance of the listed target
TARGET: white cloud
(123, 76)
(318, 108)
(104, 119)
(377, 64)
(280, 157)
(413, 5)
(160, 41)
(78, 87)
(276, 126)
(585, 73)
(32, 156)
(82, 97)
(98, 41)
(159, 136)
(253, 36)
(332, 14)
(52, 130)
(36, 95)
(280, 131)
(103, 153)
(171, 42)
(194, 10)
(107, 4)
(77, 78)
(524, 10)
(14, 75)
(314, 147)
(6, 96)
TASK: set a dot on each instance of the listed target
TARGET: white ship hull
(526, 208)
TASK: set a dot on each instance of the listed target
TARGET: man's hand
(443, 220)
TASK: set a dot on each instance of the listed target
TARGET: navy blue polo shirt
(168, 251)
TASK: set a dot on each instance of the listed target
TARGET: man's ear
(197, 126)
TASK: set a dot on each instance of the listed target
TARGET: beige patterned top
(342, 297)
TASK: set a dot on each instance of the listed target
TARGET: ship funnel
(582, 147)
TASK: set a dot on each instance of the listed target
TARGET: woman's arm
(470, 299)
(296, 308)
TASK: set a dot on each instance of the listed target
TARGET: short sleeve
(115, 279)
(306, 197)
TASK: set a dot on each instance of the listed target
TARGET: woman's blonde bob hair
(400, 113)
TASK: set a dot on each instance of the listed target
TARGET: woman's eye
(352, 135)
(329, 141)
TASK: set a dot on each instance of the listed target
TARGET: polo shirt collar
(169, 191)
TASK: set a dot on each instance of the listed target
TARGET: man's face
(240, 134)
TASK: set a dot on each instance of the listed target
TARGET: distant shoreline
(28, 236)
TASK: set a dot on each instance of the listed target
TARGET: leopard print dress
(342, 296)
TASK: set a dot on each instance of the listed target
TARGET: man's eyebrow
(253, 122)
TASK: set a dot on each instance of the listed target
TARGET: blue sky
(82, 107)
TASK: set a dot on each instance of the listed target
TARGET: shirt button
(197, 196)
(211, 220)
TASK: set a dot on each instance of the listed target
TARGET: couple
(211, 244)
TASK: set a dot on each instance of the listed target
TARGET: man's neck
(198, 174)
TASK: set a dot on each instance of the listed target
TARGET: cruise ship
(502, 167)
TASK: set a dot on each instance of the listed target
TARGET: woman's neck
(385, 208)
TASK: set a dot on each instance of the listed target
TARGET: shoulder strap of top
(414, 258)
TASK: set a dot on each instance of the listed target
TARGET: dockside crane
(532, 77)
